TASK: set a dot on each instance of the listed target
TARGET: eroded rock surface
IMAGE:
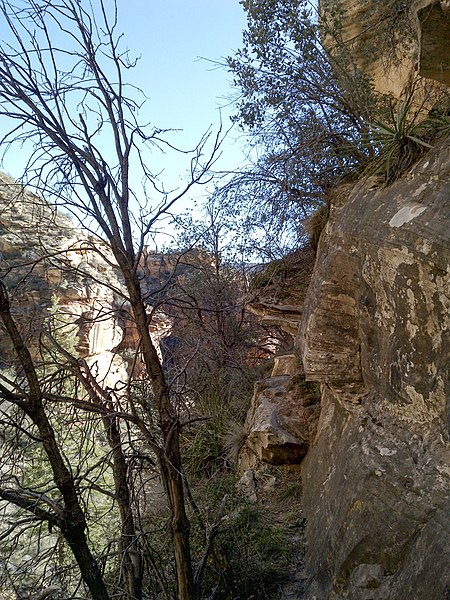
(287, 317)
(375, 335)
(282, 419)
(393, 41)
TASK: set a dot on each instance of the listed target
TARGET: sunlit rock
(375, 335)
(392, 42)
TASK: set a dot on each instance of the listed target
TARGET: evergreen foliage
(307, 113)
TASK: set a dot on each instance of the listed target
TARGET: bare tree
(62, 87)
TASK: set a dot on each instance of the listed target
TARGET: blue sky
(171, 35)
(184, 91)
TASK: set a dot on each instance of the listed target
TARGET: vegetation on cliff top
(314, 117)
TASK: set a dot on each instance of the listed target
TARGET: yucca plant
(407, 135)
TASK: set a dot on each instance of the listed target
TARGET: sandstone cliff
(393, 41)
(375, 335)
(52, 267)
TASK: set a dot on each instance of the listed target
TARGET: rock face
(282, 419)
(410, 38)
(52, 267)
(285, 316)
(375, 336)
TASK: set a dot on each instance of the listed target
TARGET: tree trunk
(170, 465)
(129, 548)
(169, 457)
(90, 572)
(72, 522)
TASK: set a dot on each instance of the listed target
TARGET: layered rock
(394, 41)
(287, 317)
(375, 335)
(282, 419)
(54, 269)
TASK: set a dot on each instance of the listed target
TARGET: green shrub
(406, 136)
(220, 406)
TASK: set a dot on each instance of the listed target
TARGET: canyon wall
(375, 336)
(393, 41)
(57, 271)
(373, 445)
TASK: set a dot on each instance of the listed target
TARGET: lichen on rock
(375, 335)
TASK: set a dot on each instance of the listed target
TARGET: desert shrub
(252, 553)
(221, 404)
(408, 131)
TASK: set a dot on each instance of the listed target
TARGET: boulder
(285, 364)
(281, 422)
